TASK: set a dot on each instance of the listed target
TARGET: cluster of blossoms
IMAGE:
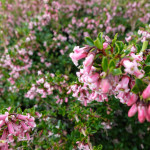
(15, 125)
(82, 146)
(43, 87)
(145, 34)
(116, 76)
(133, 7)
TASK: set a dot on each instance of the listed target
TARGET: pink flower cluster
(145, 34)
(99, 85)
(141, 107)
(15, 125)
(43, 88)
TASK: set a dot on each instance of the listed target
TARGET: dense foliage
(49, 103)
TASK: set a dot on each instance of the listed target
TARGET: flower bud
(132, 99)
(105, 45)
(10, 128)
(132, 110)
(105, 85)
(141, 113)
(93, 78)
(89, 60)
(146, 92)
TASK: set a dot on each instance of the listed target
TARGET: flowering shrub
(85, 108)
(112, 68)
(15, 125)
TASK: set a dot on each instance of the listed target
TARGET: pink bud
(38, 114)
(141, 113)
(66, 99)
(132, 110)
(147, 115)
(132, 99)
(10, 137)
(105, 85)
(2, 122)
(87, 69)
(77, 56)
(105, 45)
(31, 124)
(138, 74)
(148, 109)
(10, 128)
(89, 60)
(93, 78)
(100, 98)
(22, 117)
(25, 127)
(4, 135)
(3, 117)
(146, 92)
(85, 103)
(31, 119)
(28, 136)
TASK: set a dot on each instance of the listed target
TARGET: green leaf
(148, 64)
(145, 44)
(138, 47)
(19, 111)
(119, 46)
(147, 59)
(116, 72)
(114, 40)
(105, 64)
(139, 86)
(127, 52)
(147, 69)
(112, 64)
(89, 41)
(99, 41)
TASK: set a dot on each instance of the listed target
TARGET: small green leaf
(138, 47)
(105, 64)
(114, 40)
(89, 41)
(147, 59)
(112, 64)
(148, 64)
(97, 43)
(147, 69)
(116, 71)
(19, 111)
(139, 86)
(145, 44)
(119, 46)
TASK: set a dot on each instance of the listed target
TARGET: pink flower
(132, 68)
(123, 84)
(146, 92)
(105, 45)
(128, 38)
(3, 117)
(76, 57)
(87, 69)
(93, 78)
(105, 85)
(132, 110)
(89, 60)
(141, 113)
(10, 128)
(23, 117)
(132, 99)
